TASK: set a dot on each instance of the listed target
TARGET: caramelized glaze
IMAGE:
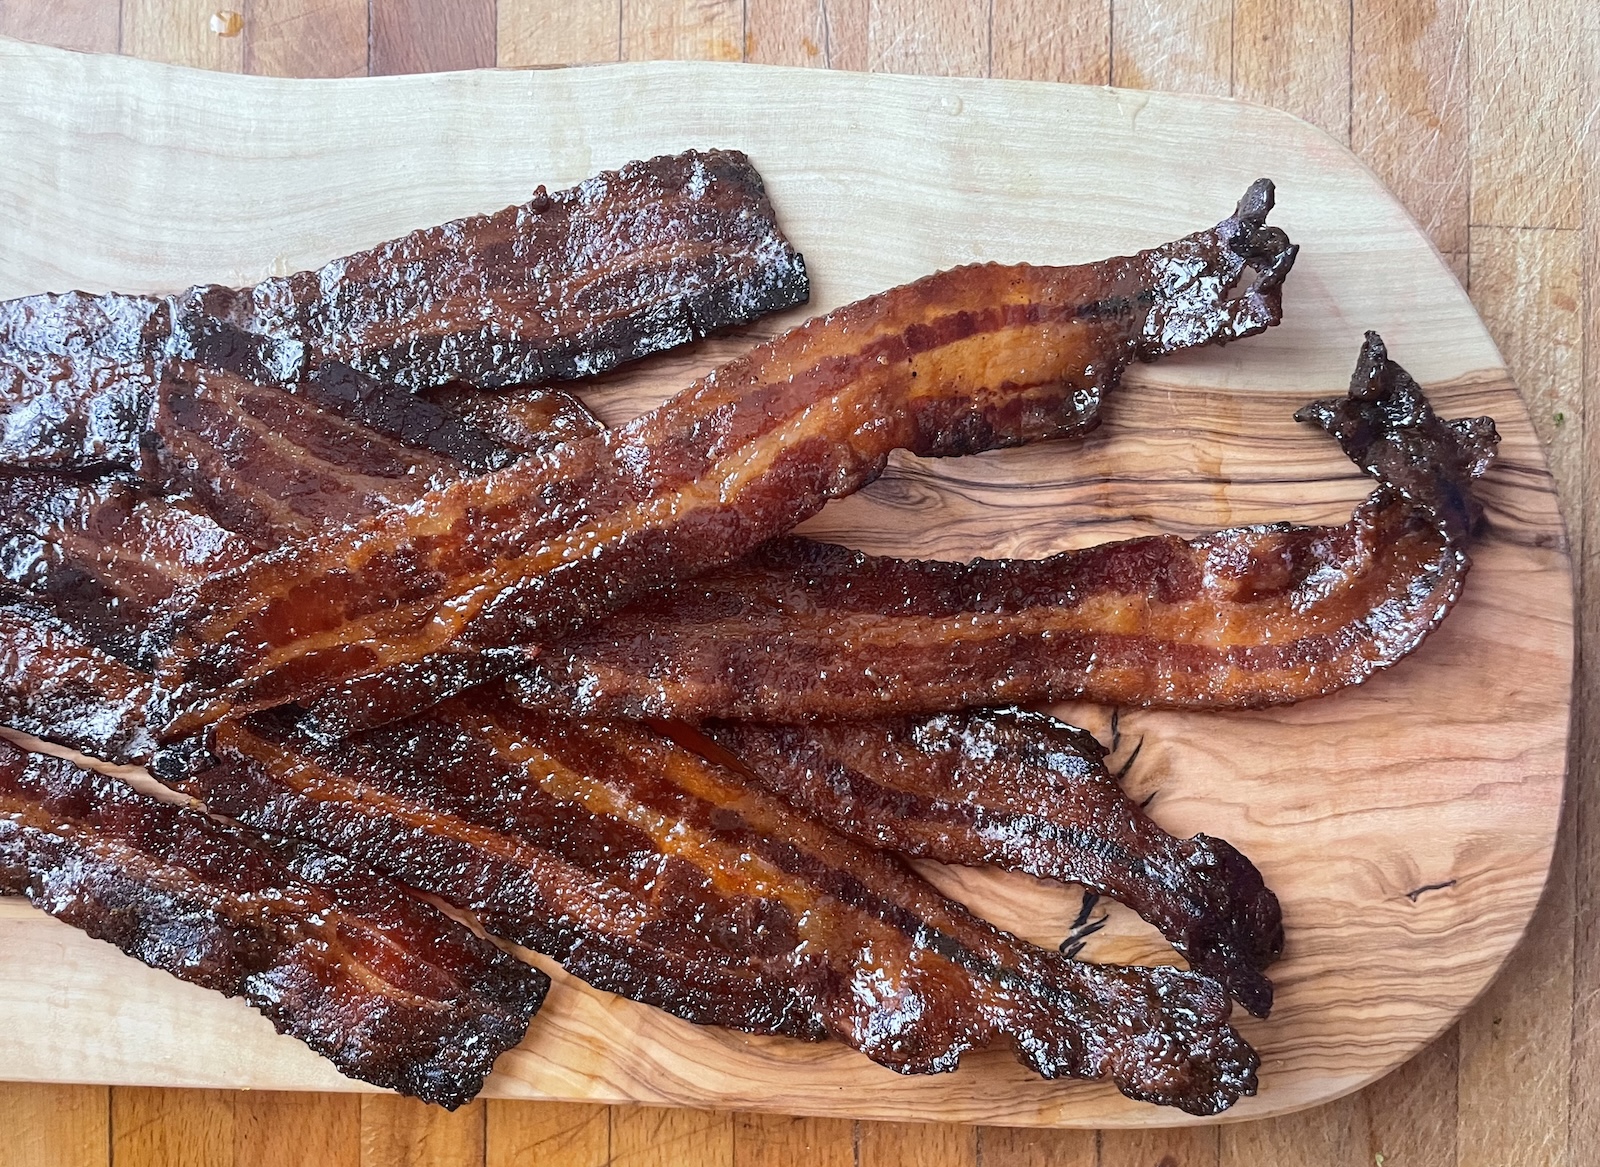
(966, 360)
(1023, 792)
(386, 987)
(1241, 618)
(652, 872)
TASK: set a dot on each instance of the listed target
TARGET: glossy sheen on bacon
(967, 772)
(651, 872)
(1242, 618)
(54, 685)
(383, 985)
(77, 378)
(1023, 792)
(966, 360)
(627, 263)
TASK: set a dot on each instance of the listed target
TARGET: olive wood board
(1406, 825)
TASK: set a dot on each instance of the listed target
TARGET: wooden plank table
(1473, 114)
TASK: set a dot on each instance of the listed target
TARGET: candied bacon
(1023, 792)
(385, 986)
(627, 263)
(1242, 618)
(650, 871)
(970, 359)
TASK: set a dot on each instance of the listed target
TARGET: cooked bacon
(54, 685)
(966, 360)
(386, 987)
(105, 554)
(1242, 618)
(627, 263)
(651, 872)
(958, 771)
(1023, 792)
(77, 378)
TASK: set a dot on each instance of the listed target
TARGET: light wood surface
(1425, 78)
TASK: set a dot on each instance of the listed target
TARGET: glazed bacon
(55, 686)
(627, 263)
(654, 873)
(1242, 618)
(1023, 792)
(386, 987)
(394, 810)
(966, 360)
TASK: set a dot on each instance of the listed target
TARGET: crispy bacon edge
(386, 987)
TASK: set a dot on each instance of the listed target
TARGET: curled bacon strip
(384, 986)
(966, 360)
(1242, 618)
(652, 872)
(1024, 792)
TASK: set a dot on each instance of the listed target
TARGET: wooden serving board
(1406, 825)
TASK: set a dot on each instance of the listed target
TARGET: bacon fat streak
(966, 360)
(1241, 618)
(652, 872)
(1023, 792)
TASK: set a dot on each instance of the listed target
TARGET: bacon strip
(1023, 792)
(627, 263)
(1241, 618)
(55, 686)
(1206, 896)
(651, 872)
(966, 360)
(386, 987)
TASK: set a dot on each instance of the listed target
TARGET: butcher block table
(1476, 120)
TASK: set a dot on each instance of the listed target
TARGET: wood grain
(273, 1127)
(90, 26)
(306, 38)
(1527, 96)
(1405, 782)
(579, 32)
(1012, 1147)
(1068, 40)
(172, 1128)
(1409, 105)
(180, 33)
(923, 1144)
(705, 30)
(647, 1136)
(778, 1140)
(418, 36)
(55, 1126)
(402, 1132)
(552, 1134)
(786, 32)
(1286, 54)
(1185, 46)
